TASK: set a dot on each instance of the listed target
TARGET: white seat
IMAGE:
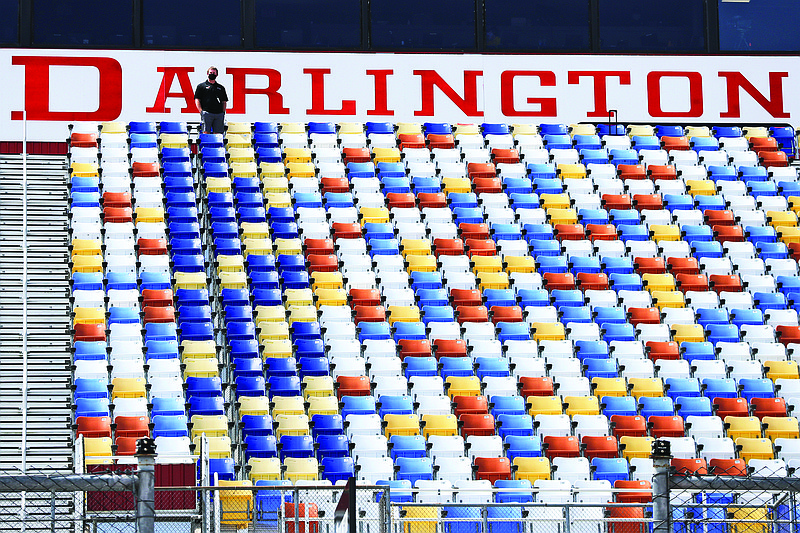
(433, 404)
(478, 330)
(704, 426)
(521, 348)
(438, 491)
(753, 333)
(130, 407)
(745, 370)
(582, 332)
(499, 386)
(571, 469)
(444, 330)
(716, 265)
(630, 299)
(384, 367)
(166, 387)
(374, 469)
(642, 249)
(163, 368)
(787, 449)
(781, 267)
(445, 446)
(564, 367)
(767, 467)
(362, 425)
(369, 446)
(613, 248)
(560, 349)
(642, 469)
(552, 425)
(593, 425)
(678, 368)
(678, 315)
(348, 366)
(734, 351)
(426, 386)
(744, 263)
(454, 469)
(682, 447)
(528, 367)
(173, 450)
(636, 368)
(654, 157)
(710, 369)
(735, 300)
(484, 446)
(473, 491)
(653, 332)
(626, 349)
(715, 448)
(390, 386)
(693, 217)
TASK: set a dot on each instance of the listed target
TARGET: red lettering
(773, 105)
(318, 95)
(186, 92)
(381, 102)
(547, 106)
(654, 94)
(240, 90)
(468, 104)
(599, 77)
(37, 88)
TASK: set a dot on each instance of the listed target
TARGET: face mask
(212, 76)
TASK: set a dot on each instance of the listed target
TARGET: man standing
(211, 100)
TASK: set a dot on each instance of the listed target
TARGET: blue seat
(420, 366)
(247, 366)
(256, 425)
(211, 140)
(557, 141)
(143, 140)
(785, 136)
(591, 349)
(557, 264)
(722, 333)
(90, 281)
(237, 313)
(617, 332)
(761, 188)
(506, 405)
(593, 216)
(756, 388)
(426, 184)
(462, 519)
(280, 366)
(678, 202)
(757, 234)
(300, 446)
(524, 201)
(517, 493)
(456, 366)
(692, 351)
(698, 233)
(204, 387)
(202, 331)
(777, 250)
(704, 143)
(624, 217)
(669, 131)
(491, 367)
(517, 186)
(407, 446)
(739, 317)
(432, 297)
(284, 230)
(290, 263)
(466, 200)
(789, 188)
(623, 156)
(212, 154)
(168, 407)
(384, 247)
(84, 199)
(707, 316)
(374, 331)
(769, 300)
(90, 388)
(123, 315)
(338, 200)
(264, 280)
(628, 232)
(426, 280)
(170, 426)
(336, 469)
(219, 214)
(311, 348)
(91, 407)
(166, 331)
(265, 127)
(246, 184)
(305, 330)
(610, 469)
(722, 173)
(206, 405)
(313, 366)
(604, 129)
(307, 199)
(326, 425)
(332, 446)
(284, 386)
(391, 170)
(224, 469)
(409, 331)
(752, 175)
(702, 249)
(268, 503)
(499, 128)
(261, 446)
(645, 142)
(693, 406)
(609, 315)
(468, 215)
(142, 127)
(269, 154)
(380, 128)
(625, 282)
(439, 313)
(360, 170)
(506, 232)
(523, 446)
(215, 170)
(438, 128)
(726, 131)
(577, 315)
(499, 297)
(94, 351)
(162, 349)
(543, 181)
(566, 298)
(596, 156)
(155, 280)
(517, 331)
(395, 405)
(521, 425)
(587, 142)
(533, 298)
(254, 215)
(719, 388)
(267, 297)
(414, 469)
(587, 265)
(84, 184)
(358, 405)
(321, 128)
(378, 230)
(617, 265)
(399, 491)
(544, 247)
(618, 405)
(260, 263)
(656, 406)
(788, 284)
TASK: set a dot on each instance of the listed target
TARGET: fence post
(661, 456)
(146, 486)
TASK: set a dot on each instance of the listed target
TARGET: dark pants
(213, 122)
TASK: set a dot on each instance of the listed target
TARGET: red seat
(346, 230)
(616, 201)
(683, 265)
(662, 172)
(450, 348)
(83, 140)
(476, 425)
(331, 184)
(492, 468)
(141, 169)
(474, 231)
(322, 263)
(536, 386)
(480, 247)
(773, 159)
(117, 215)
(689, 467)
(364, 297)
(352, 386)
(719, 218)
(159, 315)
(465, 297)
(401, 200)
(369, 313)
(561, 446)
(725, 282)
(631, 520)
(432, 199)
(481, 170)
(675, 143)
(794, 250)
(788, 334)
(666, 426)
(727, 467)
(93, 426)
(472, 313)
(644, 315)
(441, 140)
(411, 140)
(631, 172)
(414, 348)
(728, 233)
(663, 350)
(506, 314)
(318, 247)
(691, 282)
(448, 247)
(602, 232)
(763, 144)
(649, 265)
(483, 185)
(762, 407)
(90, 332)
(117, 199)
(648, 201)
(642, 495)
(152, 247)
(569, 232)
(356, 155)
(724, 407)
(126, 445)
(592, 282)
(157, 297)
(557, 281)
(470, 405)
(505, 155)
(628, 426)
(132, 426)
(595, 446)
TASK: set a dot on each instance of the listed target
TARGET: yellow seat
(794, 203)
(403, 313)
(581, 405)
(323, 405)
(288, 247)
(571, 170)
(440, 425)
(113, 127)
(781, 369)
(326, 280)
(275, 185)
(664, 299)
(264, 468)
(241, 155)
(204, 367)
(272, 170)
(238, 140)
(486, 263)
(174, 140)
(87, 263)
(192, 280)
(236, 506)
(128, 388)
(646, 387)
(302, 313)
(298, 297)
(532, 468)
(218, 184)
(562, 216)
(337, 297)
(291, 424)
(86, 247)
(750, 519)
(244, 170)
(257, 247)
(466, 129)
(747, 427)
(755, 131)
(548, 331)
(641, 130)
(400, 425)
(636, 447)
(297, 468)
(89, 315)
(255, 230)
(658, 282)
(99, 449)
(420, 519)
(278, 348)
(492, 280)
(209, 425)
(664, 232)
(229, 263)
(754, 449)
(701, 187)
(415, 247)
(300, 170)
(198, 349)
(385, 155)
(697, 131)
(233, 280)
(782, 218)
(456, 185)
(780, 427)
(239, 128)
(274, 331)
(421, 263)
(525, 129)
(272, 313)
(254, 406)
(288, 406)
(545, 405)
(615, 387)
(463, 386)
(412, 128)
(317, 386)
(555, 201)
(149, 214)
(296, 155)
(218, 447)
(292, 127)
(351, 128)
(519, 264)
(582, 129)
(277, 199)
(688, 333)
(373, 214)
(788, 234)
(84, 170)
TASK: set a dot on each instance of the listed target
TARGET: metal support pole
(24, 440)
(566, 519)
(297, 510)
(53, 512)
(353, 510)
(661, 461)
(146, 486)
(485, 519)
